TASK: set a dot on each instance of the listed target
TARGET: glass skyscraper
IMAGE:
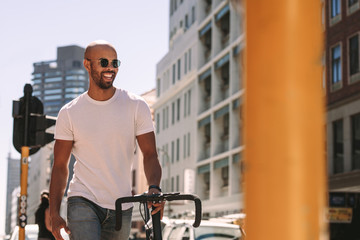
(59, 81)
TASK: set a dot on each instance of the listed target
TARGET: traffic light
(29, 122)
(43, 122)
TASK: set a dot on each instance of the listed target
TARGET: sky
(31, 31)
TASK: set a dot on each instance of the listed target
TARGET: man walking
(100, 128)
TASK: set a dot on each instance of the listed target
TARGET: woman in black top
(40, 218)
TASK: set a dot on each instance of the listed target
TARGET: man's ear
(86, 64)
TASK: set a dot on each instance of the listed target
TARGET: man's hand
(158, 206)
(57, 223)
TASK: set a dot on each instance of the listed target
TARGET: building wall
(14, 207)
(39, 179)
(339, 32)
(13, 181)
(343, 97)
(201, 149)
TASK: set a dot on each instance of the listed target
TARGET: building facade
(14, 207)
(342, 18)
(198, 109)
(13, 181)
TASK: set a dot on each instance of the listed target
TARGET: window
(177, 182)
(164, 120)
(71, 95)
(225, 176)
(188, 142)
(173, 74)
(207, 133)
(171, 7)
(172, 151)
(178, 109)
(186, 21)
(185, 104)
(54, 79)
(352, 2)
(75, 77)
(158, 87)
(179, 69)
(172, 184)
(338, 144)
(335, 11)
(335, 8)
(355, 141)
(173, 113)
(53, 91)
(353, 5)
(177, 149)
(336, 66)
(189, 59)
(192, 15)
(52, 97)
(53, 85)
(189, 102)
(76, 64)
(37, 81)
(74, 90)
(167, 116)
(354, 55)
(184, 147)
(185, 63)
(157, 123)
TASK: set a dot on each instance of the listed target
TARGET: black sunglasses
(104, 62)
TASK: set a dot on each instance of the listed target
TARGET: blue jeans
(87, 220)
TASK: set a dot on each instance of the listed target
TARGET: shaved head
(99, 44)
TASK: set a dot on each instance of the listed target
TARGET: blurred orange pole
(285, 177)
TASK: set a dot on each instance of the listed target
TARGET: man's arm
(59, 176)
(152, 166)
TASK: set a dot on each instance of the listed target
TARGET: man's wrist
(155, 187)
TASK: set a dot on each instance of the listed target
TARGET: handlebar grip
(197, 202)
(118, 215)
(197, 212)
(118, 208)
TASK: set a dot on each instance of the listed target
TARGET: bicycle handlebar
(157, 198)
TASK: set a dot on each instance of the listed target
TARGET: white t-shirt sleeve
(63, 129)
(143, 120)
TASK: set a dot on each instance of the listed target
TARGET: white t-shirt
(104, 135)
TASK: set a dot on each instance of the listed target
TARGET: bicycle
(156, 233)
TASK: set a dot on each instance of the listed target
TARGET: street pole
(285, 165)
(24, 165)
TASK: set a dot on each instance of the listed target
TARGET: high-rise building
(59, 81)
(342, 18)
(14, 207)
(198, 110)
(13, 181)
(55, 83)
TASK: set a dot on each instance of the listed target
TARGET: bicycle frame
(143, 198)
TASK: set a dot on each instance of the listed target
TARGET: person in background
(42, 218)
(100, 128)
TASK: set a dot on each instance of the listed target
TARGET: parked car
(181, 229)
(31, 232)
